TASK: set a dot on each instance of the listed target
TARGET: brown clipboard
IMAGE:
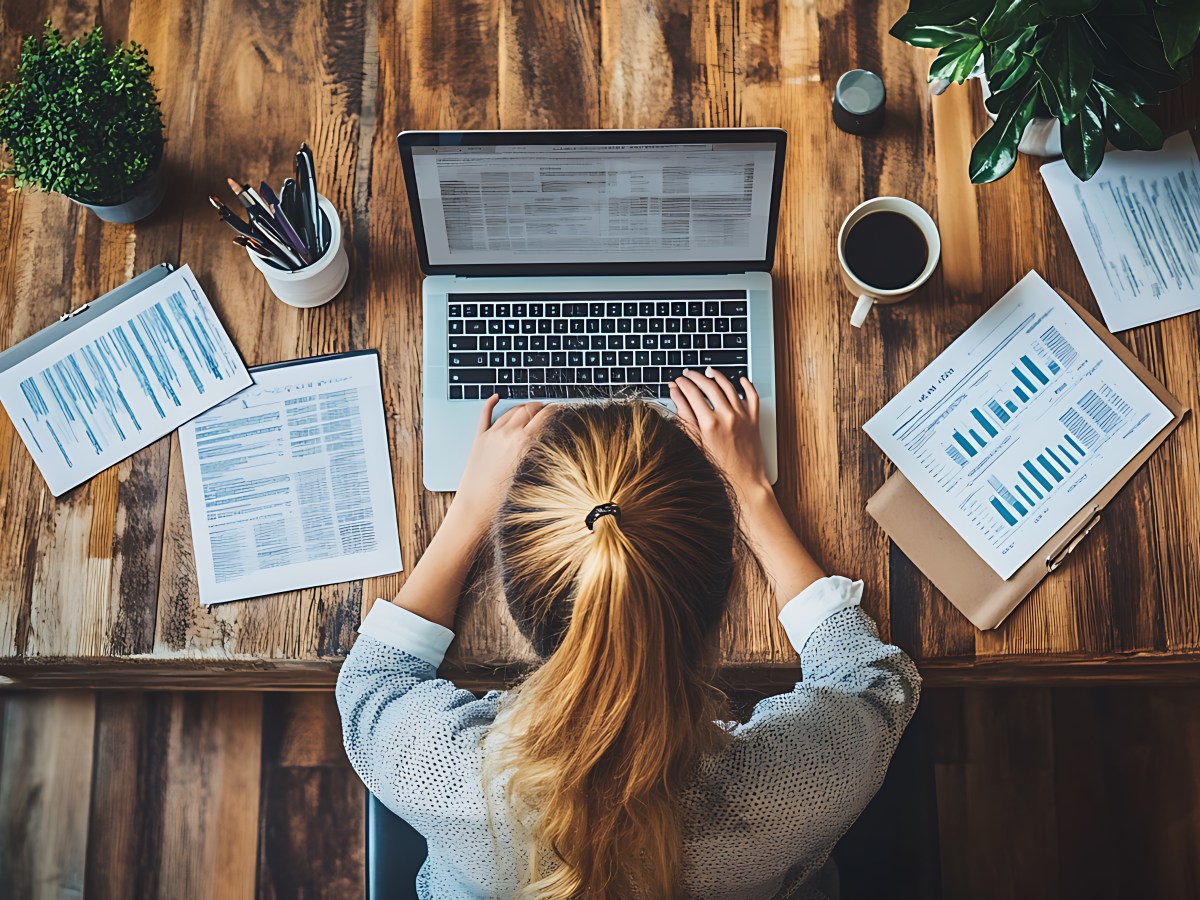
(958, 571)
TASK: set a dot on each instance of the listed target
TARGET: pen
(263, 223)
(306, 177)
(232, 219)
(282, 221)
(261, 250)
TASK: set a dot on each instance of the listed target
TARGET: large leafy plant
(81, 120)
(1092, 64)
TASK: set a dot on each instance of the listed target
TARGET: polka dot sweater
(758, 819)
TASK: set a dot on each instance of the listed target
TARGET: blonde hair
(600, 740)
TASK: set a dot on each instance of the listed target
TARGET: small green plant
(81, 120)
(1092, 64)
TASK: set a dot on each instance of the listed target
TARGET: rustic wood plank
(45, 770)
(312, 817)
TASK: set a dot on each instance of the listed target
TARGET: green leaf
(1061, 8)
(1001, 58)
(1127, 126)
(1009, 18)
(956, 60)
(1068, 67)
(1083, 140)
(1014, 76)
(1179, 27)
(995, 153)
(936, 36)
(953, 12)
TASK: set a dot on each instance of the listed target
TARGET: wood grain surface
(102, 579)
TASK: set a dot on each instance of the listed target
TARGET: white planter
(1041, 137)
(317, 283)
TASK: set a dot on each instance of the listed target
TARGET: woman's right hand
(726, 426)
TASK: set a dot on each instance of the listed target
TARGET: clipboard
(959, 572)
(76, 318)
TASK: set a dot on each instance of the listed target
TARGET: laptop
(580, 265)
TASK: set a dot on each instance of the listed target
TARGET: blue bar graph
(975, 434)
(1021, 377)
(1054, 473)
(965, 444)
(998, 411)
(956, 455)
(1012, 407)
(1004, 513)
(987, 426)
(1065, 452)
(1054, 368)
(1037, 373)
(1021, 395)
(1041, 479)
(1024, 496)
(1071, 441)
(1029, 484)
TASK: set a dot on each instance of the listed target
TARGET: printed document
(121, 381)
(600, 204)
(289, 483)
(1018, 424)
(1136, 229)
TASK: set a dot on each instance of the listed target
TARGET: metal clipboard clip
(1056, 559)
(76, 311)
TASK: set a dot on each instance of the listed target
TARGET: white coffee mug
(869, 295)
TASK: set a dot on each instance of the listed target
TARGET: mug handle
(861, 308)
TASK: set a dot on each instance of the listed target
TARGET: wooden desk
(98, 586)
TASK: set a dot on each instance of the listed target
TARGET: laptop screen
(594, 201)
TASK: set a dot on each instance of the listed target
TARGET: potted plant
(1094, 65)
(85, 122)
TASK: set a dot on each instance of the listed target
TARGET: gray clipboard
(80, 315)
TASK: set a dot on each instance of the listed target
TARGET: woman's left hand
(498, 448)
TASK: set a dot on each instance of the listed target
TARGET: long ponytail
(600, 740)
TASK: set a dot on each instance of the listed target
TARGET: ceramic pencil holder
(318, 282)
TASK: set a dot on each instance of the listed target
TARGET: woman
(609, 771)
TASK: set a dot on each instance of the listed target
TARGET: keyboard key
(722, 357)
(668, 341)
(558, 359)
(561, 326)
(537, 343)
(675, 358)
(703, 326)
(495, 360)
(714, 341)
(470, 310)
(625, 358)
(537, 376)
(649, 375)
(685, 342)
(464, 343)
(641, 326)
(577, 326)
(575, 342)
(468, 360)
(495, 326)
(528, 326)
(691, 359)
(600, 376)
(456, 327)
(538, 391)
(538, 360)
(512, 360)
(720, 325)
(645, 309)
(695, 308)
(591, 358)
(504, 343)
(678, 308)
(520, 343)
(487, 342)
(612, 310)
(662, 308)
(712, 308)
(456, 392)
(544, 326)
(593, 326)
(629, 310)
(553, 311)
(583, 376)
(502, 391)
(502, 311)
(650, 342)
(657, 326)
(616, 342)
(689, 326)
(733, 307)
(739, 324)
(608, 358)
(633, 342)
(733, 340)
(624, 326)
(486, 310)
(574, 359)
(596, 342)
(575, 310)
(596, 310)
(536, 311)
(504, 376)
(670, 373)
(673, 326)
(518, 310)
(554, 342)
(472, 376)
(520, 376)
(658, 358)
(471, 391)
(455, 310)
(560, 376)
(519, 392)
(608, 326)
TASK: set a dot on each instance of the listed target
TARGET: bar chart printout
(1136, 229)
(1018, 424)
(289, 483)
(121, 381)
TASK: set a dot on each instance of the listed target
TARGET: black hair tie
(604, 509)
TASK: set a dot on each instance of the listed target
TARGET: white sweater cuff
(405, 630)
(816, 603)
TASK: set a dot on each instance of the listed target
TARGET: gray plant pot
(147, 196)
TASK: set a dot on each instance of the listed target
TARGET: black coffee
(886, 250)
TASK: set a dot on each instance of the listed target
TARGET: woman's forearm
(784, 558)
(433, 588)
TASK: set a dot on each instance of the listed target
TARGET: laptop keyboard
(591, 344)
